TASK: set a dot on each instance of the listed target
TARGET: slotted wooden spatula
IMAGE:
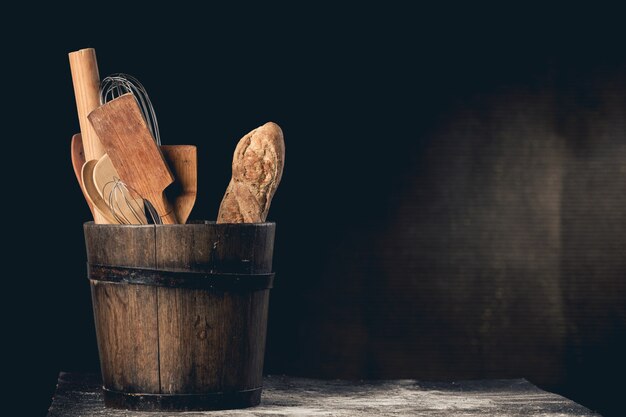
(136, 157)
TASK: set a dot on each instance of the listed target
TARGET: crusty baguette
(257, 169)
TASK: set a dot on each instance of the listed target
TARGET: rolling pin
(86, 81)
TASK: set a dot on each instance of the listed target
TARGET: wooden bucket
(181, 313)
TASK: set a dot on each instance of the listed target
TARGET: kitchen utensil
(182, 160)
(78, 160)
(118, 84)
(137, 158)
(91, 192)
(86, 80)
(126, 206)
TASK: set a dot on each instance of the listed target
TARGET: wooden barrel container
(181, 313)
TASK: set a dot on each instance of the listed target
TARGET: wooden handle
(103, 214)
(163, 207)
(78, 160)
(182, 161)
(86, 80)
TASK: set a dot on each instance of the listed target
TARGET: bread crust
(257, 169)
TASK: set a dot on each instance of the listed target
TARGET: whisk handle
(163, 207)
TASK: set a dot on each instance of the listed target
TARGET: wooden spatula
(126, 204)
(99, 205)
(136, 157)
(182, 160)
(78, 160)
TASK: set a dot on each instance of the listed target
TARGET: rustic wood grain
(182, 160)
(86, 81)
(160, 340)
(136, 157)
(245, 247)
(125, 315)
(244, 256)
(79, 395)
(217, 338)
(77, 154)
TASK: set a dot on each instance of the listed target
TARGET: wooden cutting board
(124, 134)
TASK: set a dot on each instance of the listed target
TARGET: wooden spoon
(123, 131)
(126, 204)
(182, 160)
(78, 160)
(91, 192)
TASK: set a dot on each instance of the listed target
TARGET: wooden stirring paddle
(182, 160)
(136, 157)
(78, 160)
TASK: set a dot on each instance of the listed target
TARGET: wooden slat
(126, 315)
(212, 341)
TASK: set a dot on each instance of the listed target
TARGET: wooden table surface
(80, 395)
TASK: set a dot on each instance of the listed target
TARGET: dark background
(453, 203)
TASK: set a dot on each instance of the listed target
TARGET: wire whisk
(119, 84)
(127, 205)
